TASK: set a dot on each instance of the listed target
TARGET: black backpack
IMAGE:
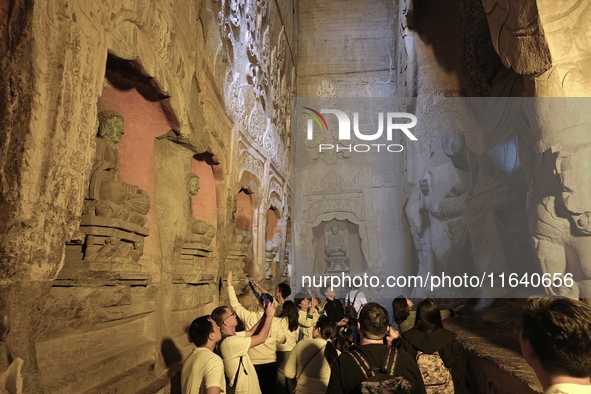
(350, 311)
(230, 386)
(380, 379)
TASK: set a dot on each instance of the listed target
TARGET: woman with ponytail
(289, 322)
(311, 360)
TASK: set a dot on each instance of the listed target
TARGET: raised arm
(261, 288)
(251, 331)
(392, 336)
(262, 335)
(244, 314)
(307, 319)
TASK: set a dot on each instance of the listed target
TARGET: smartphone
(265, 301)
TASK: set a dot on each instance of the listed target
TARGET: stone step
(102, 369)
(491, 341)
(79, 346)
(131, 381)
(162, 385)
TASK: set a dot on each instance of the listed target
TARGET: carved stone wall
(102, 305)
(360, 63)
(341, 186)
(479, 29)
(552, 57)
(359, 190)
(188, 96)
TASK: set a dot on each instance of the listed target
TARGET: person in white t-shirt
(307, 315)
(556, 342)
(203, 371)
(310, 361)
(357, 298)
(234, 347)
(264, 356)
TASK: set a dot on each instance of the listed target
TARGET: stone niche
(197, 264)
(113, 243)
(272, 242)
(240, 257)
(97, 328)
(337, 247)
(285, 269)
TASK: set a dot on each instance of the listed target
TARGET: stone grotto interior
(147, 148)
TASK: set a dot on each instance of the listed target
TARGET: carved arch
(327, 217)
(152, 45)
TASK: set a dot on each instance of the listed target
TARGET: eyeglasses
(232, 314)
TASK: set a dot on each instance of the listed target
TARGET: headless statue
(199, 227)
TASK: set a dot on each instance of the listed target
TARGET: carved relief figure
(485, 72)
(201, 230)
(271, 249)
(499, 188)
(337, 248)
(453, 207)
(439, 178)
(238, 247)
(554, 57)
(240, 238)
(335, 244)
(197, 245)
(555, 51)
(108, 195)
(561, 225)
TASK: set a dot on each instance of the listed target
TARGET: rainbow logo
(317, 117)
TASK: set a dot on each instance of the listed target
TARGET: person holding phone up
(263, 356)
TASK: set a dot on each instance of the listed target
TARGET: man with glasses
(203, 371)
(264, 357)
(240, 373)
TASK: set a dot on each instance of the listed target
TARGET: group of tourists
(304, 346)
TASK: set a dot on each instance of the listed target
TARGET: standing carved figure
(499, 189)
(439, 179)
(561, 227)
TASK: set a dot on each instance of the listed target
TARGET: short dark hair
(299, 297)
(268, 296)
(284, 289)
(559, 330)
(200, 329)
(428, 316)
(373, 320)
(218, 314)
(400, 309)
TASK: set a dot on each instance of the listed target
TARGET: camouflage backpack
(436, 376)
(380, 379)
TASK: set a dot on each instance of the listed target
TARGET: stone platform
(491, 340)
